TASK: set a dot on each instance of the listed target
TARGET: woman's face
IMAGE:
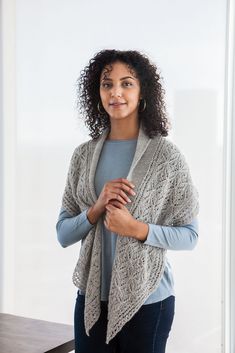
(120, 91)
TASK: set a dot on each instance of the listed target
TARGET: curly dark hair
(153, 118)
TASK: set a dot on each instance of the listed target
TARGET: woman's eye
(108, 85)
(105, 85)
(127, 84)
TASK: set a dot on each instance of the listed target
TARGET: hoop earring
(98, 107)
(144, 107)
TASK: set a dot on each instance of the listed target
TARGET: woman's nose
(116, 91)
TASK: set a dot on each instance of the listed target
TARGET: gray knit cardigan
(165, 195)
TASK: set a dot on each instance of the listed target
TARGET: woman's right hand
(116, 189)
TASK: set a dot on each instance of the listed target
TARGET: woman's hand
(116, 189)
(119, 220)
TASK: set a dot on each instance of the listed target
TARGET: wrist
(93, 214)
(140, 230)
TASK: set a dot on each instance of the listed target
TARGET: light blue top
(114, 162)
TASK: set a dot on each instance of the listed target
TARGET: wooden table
(23, 335)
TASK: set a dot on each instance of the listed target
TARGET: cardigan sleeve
(69, 196)
(185, 196)
(71, 229)
(173, 237)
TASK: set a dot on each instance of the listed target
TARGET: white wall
(54, 40)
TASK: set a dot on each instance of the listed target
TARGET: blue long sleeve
(183, 237)
(71, 229)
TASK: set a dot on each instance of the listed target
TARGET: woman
(129, 198)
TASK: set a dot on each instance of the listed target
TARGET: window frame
(228, 241)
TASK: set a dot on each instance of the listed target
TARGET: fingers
(122, 194)
(117, 204)
(110, 207)
(117, 189)
(125, 185)
(116, 196)
(124, 181)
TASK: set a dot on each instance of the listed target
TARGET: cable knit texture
(165, 195)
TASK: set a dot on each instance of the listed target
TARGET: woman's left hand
(119, 220)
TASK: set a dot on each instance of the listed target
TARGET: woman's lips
(117, 105)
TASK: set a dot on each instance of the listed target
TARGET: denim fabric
(146, 332)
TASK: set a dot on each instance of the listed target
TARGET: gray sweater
(165, 195)
(114, 162)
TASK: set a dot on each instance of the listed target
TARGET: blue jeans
(146, 332)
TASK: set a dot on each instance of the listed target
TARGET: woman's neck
(123, 132)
